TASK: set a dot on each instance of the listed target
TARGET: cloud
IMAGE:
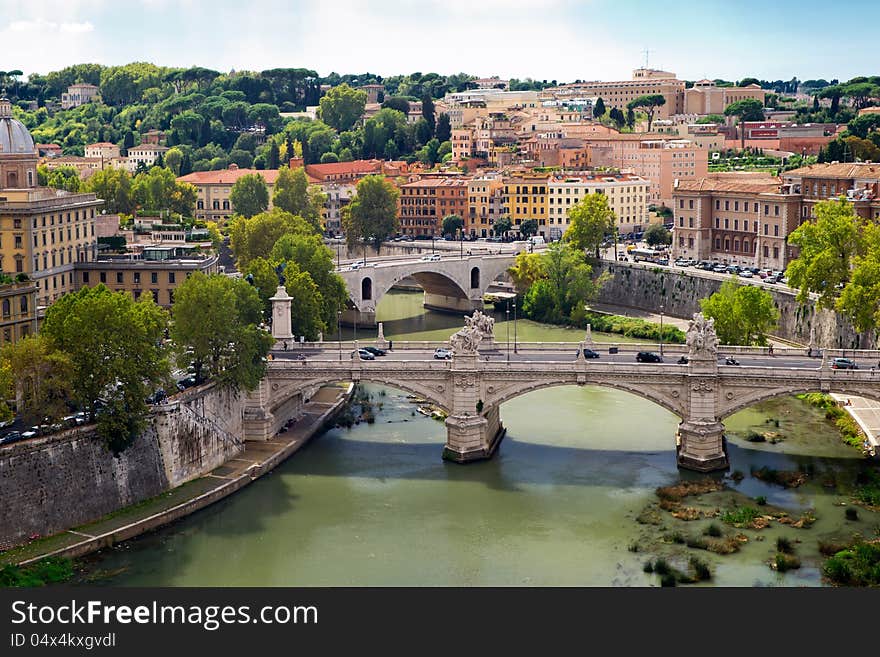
(48, 27)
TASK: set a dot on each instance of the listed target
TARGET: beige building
(156, 271)
(78, 94)
(705, 97)
(618, 94)
(145, 154)
(214, 188)
(485, 204)
(102, 150)
(18, 311)
(627, 196)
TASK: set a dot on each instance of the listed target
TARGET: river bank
(256, 460)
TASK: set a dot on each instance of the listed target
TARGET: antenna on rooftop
(646, 52)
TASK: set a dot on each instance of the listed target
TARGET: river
(562, 503)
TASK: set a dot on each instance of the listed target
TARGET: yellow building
(18, 311)
(525, 197)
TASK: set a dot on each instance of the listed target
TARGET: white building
(627, 197)
(146, 153)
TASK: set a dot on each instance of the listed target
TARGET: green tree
(502, 226)
(592, 220)
(527, 269)
(649, 103)
(443, 131)
(372, 214)
(565, 287)
(173, 160)
(293, 194)
(428, 112)
(342, 106)
(743, 314)
(115, 348)
(658, 234)
(827, 248)
(66, 178)
(255, 237)
(599, 109)
(529, 227)
(396, 103)
(114, 186)
(216, 329)
(249, 195)
(452, 223)
(747, 109)
(39, 376)
(261, 274)
(306, 307)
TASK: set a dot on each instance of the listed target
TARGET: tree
(306, 307)
(114, 186)
(529, 227)
(116, 351)
(41, 378)
(617, 116)
(293, 194)
(743, 314)
(860, 298)
(396, 103)
(747, 109)
(649, 103)
(249, 195)
(452, 223)
(444, 128)
(567, 283)
(745, 82)
(827, 248)
(372, 214)
(216, 329)
(342, 106)
(527, 268)
(599, 109)
(502, 225)
(592, 220)
(428, 112)
(658, 234)
(173, 160)
(255, 237)
(65, 177)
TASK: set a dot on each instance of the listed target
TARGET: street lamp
(661, 330)
(461, 243)
(339, 331)
(514, 326)
(507, 324)
(338, 244)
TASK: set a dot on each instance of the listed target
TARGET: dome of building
(15, 139)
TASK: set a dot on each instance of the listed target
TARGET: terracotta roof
(438, 182)
(227, 176)
(840, 170)
(321, 171)
(148, 147)
(100, 143)
(770, 186)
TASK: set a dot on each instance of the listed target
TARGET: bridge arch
(668, 398)
(742, 402)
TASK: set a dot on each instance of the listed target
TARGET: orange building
(424, 203)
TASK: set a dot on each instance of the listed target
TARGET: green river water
(558, 505)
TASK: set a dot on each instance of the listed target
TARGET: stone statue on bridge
(466, 341)
(702, 341)
(483, 323)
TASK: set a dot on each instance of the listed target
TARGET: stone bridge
(451, 283)
(472, 388)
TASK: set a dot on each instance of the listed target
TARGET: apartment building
(858, 182)
(424, 203)
(658, 158)
(485, 204)
(156, 271)
(18, 310)
(627, 197)
(525, 197)
(102, 150)
(214, 188)
(706, 97)
(145, 154)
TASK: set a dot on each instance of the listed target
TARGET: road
(526, 354)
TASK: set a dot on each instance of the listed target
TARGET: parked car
(442, 353)
(589, 353)
(187, 382)
(648, 357)
(365, 355)
(11, 437)
(843, 364)
(374, 350)
(746, 273)
(157, 397)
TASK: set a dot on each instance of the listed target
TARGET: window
(756, 207)
(137, 277)
(736, 206)
(119, 277)
(681, 203)
(766, 251)
(103, 276)
(154, 277)
(690, 242)
(155, 294)
(776, 230)
(7, 308)
(85, 277)
(726, 222)
(171, 277)
(681, 222)
(691, 204)
(775, 251)
(727, 205)
(690, 222)
(776, 210)
(18, 242)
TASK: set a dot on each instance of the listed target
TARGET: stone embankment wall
(647, 287)
(52, 483)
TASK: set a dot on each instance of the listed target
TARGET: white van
(537, 240)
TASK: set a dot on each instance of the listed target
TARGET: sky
(559, 40)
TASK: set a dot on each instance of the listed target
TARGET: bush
(761, 500)
(701, 569)
(667, 580)
(858, 565)
(47, 571)
(648, 567)
(851, 513)
(632, 327)
(740, 516)
(713, 530)
(784, 545)
(786, 562)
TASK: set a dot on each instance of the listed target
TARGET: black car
(589, 353)
(374, 350)
(11, 437)
(648, 357)
(187, 382)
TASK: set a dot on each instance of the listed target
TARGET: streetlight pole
(338, 244)
(339, 331)
(507, 324)
(661, 330)
(514, 326)
(461, 243)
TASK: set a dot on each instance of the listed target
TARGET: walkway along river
(568, 500)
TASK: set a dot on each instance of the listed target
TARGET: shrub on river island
(700, 569)
(785, 478)
(858, 565)
(740, 516)
(851, 513)
(761, 500)
(783, 562)
(47, 571)
(784, 545)
(713, 530)
(679, 491)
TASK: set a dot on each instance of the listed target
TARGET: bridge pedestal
(445, 303)
(351, 317)
(700, 446)
(473, 437)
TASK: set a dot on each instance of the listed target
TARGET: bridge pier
(352, 316)
(700, 446)
(473, 437)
